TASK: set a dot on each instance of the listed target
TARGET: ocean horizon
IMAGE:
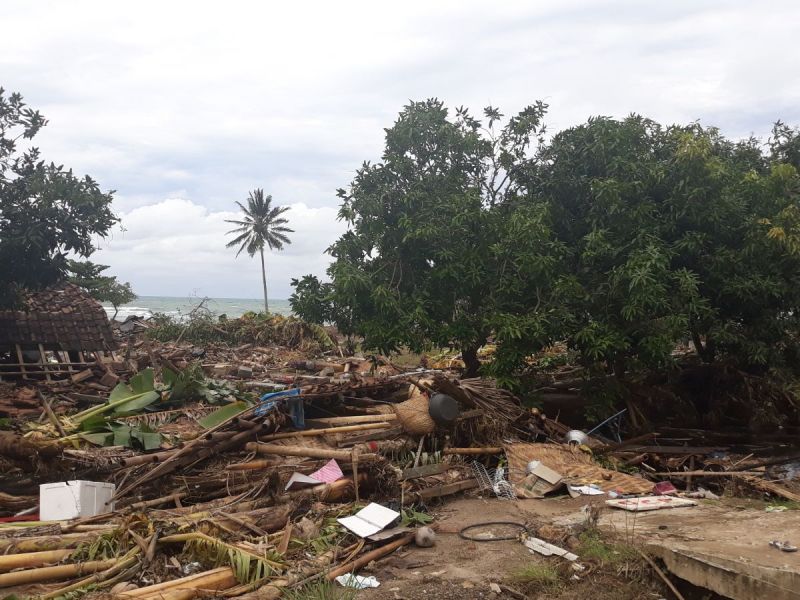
(178, 306)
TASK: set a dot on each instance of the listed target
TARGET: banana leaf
(223, 414)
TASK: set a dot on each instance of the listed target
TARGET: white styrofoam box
(72, 499)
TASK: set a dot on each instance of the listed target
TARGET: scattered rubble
(255, 468)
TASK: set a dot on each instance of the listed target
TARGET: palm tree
(262, 224)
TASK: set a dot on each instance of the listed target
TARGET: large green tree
(668, 230)
(261, 225)
(427, 259)
(46, 213)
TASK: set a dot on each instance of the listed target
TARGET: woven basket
(413, 414)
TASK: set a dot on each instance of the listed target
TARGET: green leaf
(143, 381)
(136, 403)
(99, 439)
(149, 440)
(122, 435)
(223, 414)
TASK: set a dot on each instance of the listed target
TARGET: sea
(147, 306)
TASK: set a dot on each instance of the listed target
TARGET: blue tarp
(296, 409)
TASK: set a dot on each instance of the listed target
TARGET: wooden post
(43, 360)
(21, 361)
(354, 460)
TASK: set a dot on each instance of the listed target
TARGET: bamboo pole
(127, 561)
(335, 421)
(253, 465)
(27, 560)
(45, 542)
(364, 559)
(473, 451)
(325, 431)
(54, 573)
(213, 580)
(278, 450)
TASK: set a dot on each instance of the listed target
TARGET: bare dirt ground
(464, 570)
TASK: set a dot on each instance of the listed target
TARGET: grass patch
(321, 590)
(594, 547)
(539, 575)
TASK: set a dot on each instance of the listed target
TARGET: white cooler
(73, 499)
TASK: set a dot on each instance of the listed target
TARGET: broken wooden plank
(424, 471)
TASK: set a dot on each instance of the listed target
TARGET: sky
(184, 107)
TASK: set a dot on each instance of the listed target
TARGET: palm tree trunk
(264, 281)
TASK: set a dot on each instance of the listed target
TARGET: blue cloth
(296, 407)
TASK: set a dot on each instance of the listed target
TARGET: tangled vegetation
(201, 327)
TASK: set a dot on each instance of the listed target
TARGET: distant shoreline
(175, 306)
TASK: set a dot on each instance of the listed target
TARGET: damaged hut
(53, 331)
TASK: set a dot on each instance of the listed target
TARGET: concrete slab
(719, 547)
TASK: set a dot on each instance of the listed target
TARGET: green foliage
(594, 547)
(311, 300)
(622, 237)
(247, 567)
(261, 225)
(411, 517)
(671, 237)
(425, 262)
(46, 212)
(103, 288)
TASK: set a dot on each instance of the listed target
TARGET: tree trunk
(264, 281)
(471, 362)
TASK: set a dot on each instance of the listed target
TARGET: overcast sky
(182, 107)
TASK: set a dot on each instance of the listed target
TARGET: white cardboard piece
(74, 499)
(369, 520)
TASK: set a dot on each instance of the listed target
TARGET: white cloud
(205, 100)
(177, 248)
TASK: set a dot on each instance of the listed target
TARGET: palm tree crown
(262, 224)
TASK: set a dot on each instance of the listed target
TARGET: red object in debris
(20, 518)
(664, 488)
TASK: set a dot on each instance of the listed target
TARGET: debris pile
(253, 468)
